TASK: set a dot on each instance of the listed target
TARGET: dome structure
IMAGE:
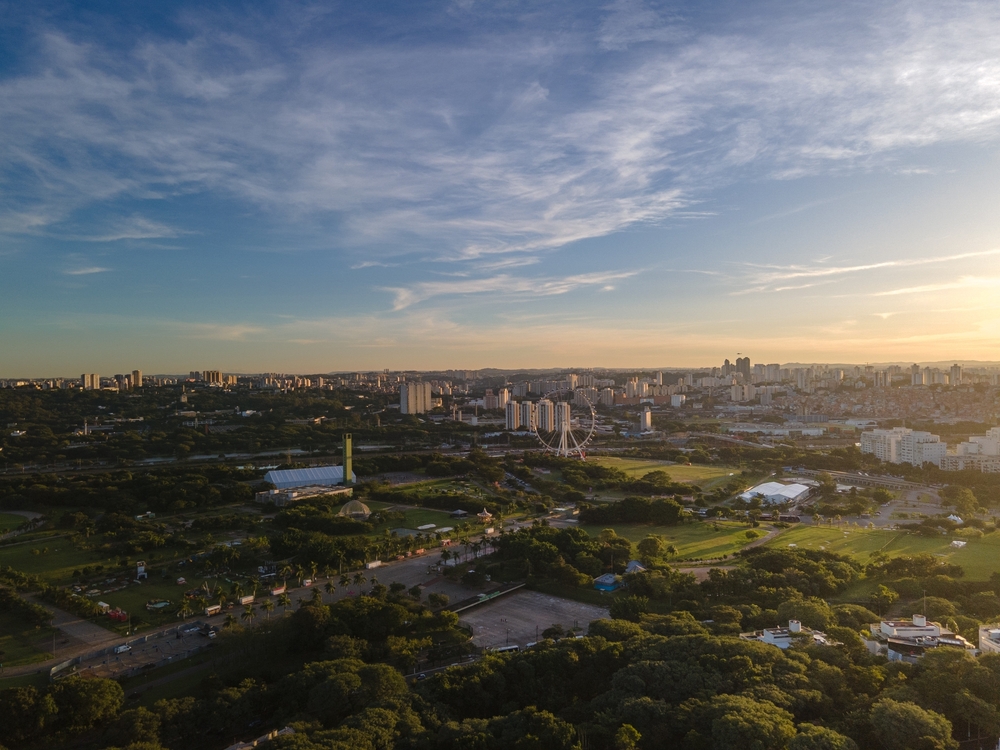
(355, 509)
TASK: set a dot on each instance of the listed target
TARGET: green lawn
(9, 522)
(18, 643)
(699, 540)
(56, 565)
(980, 558)
(704, 476)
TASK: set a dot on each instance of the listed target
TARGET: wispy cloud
(502, 283)
(965, 282)
(461, 146)
(770, 277)
(85, 271)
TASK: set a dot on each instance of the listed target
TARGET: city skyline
(447, 185)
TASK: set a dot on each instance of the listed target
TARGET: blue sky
(316, 187)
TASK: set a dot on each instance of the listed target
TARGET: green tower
(348, 468)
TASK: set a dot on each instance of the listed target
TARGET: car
(421, 676)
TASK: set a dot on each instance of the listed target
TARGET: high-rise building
(137, 378)
(956, 374)
(212, 377)
(513, 409)
(646, 420)
(545, 415)
(743, 367)
(563, 416)
(503, 397)
(414, 398)
(528, 417)
(902, 445)
(90, 382)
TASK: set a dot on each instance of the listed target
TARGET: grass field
(704, 476)
(55, 565)
(699, 540)
(18, 643)
(980, 558)
(9, 522)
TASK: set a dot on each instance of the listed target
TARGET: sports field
(9, 522)
(701, 540)
(706, 477)
(980, 558)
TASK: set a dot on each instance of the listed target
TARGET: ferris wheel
(565, 423)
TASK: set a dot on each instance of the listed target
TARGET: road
(81, 637)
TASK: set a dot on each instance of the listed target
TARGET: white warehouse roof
(776, 492)
(317, 475)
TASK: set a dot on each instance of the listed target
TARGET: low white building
(785, 637)
(908, 640)
(989, 639)
(775, 493)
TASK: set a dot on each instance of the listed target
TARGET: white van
(123, 649)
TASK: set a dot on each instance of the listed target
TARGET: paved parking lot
(520, 618)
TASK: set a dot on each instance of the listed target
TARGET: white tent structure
(776, 492)
(316, 476)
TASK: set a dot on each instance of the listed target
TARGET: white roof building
(775, 492)
(323, 476)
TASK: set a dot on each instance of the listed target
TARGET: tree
(812, 737)
(230, 622)
(906, 726)
(285, 601)
(248, 614)
(185, 610)
(268, 606)
(83, 704)
(329, 587)
(745, 724)
(437, 600)
(316, 598)
(359, 578)
(629, 607)
(650, 548)
(627, 737)
(882, 598)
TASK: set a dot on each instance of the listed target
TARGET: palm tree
(230, 621)
(249, 613)
(314, 569)
(237, 590)
(255, 582)
(268, 606)
(330, 587)
(359, 578)
(300, 573)
(186, 610)
(345, 581)
(285, 601)
(317, 597)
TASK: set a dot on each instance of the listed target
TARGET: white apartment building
(90, 381)
(528, 416)
(607, 397)
(513, 412)
(545, 415)
(646, 420)
(563, 416)
(901, 445)
(677, 400)
(414, 398)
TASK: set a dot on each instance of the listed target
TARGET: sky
(302, 187)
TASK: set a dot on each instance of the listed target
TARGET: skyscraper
(90, 381)
(137, 378)
(546, 416)
(414, 398)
